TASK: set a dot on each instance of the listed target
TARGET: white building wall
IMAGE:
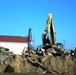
(15, 47)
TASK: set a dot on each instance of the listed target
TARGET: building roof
(14, 39)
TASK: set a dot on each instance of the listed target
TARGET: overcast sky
(17, 16)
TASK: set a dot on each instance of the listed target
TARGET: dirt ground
(51, 64)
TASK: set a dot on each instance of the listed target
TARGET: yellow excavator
(49, 37)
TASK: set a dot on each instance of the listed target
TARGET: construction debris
(41, 64)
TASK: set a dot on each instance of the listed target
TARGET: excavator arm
(51, 30)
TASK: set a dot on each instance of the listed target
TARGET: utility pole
(29, 39)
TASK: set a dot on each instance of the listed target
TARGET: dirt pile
(57, 64)
(60, 65)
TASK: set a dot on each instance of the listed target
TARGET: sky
(17, 16)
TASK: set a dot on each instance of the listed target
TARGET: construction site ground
(39, 64)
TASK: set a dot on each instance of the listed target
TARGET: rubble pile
(41, 64)
(55, 60)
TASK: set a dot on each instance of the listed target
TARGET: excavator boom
(51, 30)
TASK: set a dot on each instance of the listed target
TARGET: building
(15, 44)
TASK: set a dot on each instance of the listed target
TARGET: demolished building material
(51, 64)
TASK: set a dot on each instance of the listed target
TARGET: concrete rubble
(57, 61)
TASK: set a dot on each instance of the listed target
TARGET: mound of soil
(51, 64)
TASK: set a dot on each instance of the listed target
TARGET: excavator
(49, 37)
(50, 33)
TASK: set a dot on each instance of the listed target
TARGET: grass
(29, 73)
